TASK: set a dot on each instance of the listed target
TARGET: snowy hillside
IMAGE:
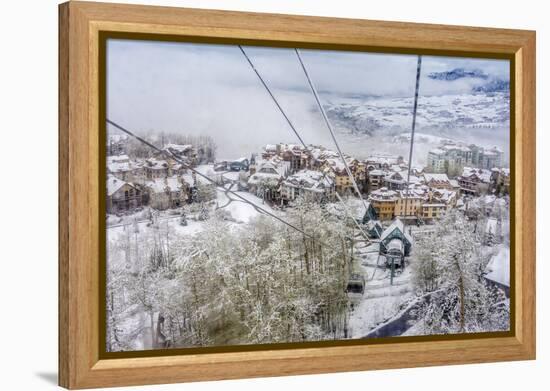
(434, 112)
(373, 125)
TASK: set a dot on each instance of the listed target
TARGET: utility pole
(415, 106)
(392, 270)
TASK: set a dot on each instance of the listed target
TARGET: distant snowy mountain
(487, 84)
(458, 73)
(495, 85)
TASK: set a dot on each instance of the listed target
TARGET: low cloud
(211, 89)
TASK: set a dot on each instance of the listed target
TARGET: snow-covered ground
(381, 299)
(239, 211)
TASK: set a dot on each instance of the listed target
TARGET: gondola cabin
(356, 284)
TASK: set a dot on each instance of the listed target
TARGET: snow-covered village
(203, 264)
(284, 241)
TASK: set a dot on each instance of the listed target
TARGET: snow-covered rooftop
(376, 172)
(396, 224)
(310, 180)
(114, 184)
(437, 151)
(156, 164)
(383, 194)
(160, 185)
(482, 174)
(181, 148)
(267, 171)
(118, 159)
(444, 195)
(382, 159)
(442, 178)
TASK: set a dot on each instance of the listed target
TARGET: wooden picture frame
(80, 27)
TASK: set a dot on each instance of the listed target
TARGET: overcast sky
(211, 89)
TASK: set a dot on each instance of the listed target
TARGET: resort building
(451, 158)
(474, 181)
(312, 184)
(383, 201)
(166, 193)
(122, 197)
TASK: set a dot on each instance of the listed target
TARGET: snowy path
(381, 300)
(400, 323)
(240, 210)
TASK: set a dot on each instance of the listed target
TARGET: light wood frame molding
(79, 25)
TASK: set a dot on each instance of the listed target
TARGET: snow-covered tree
(204, 192)
(463, 301)
(426, 269)
(203, 213)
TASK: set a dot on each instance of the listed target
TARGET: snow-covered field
(379, 125)
(437, 111)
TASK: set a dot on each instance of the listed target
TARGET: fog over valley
(211, 90)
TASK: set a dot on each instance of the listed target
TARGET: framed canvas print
(247, 195)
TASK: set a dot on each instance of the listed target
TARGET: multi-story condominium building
(452, 158)
(308, 183)
(375, 179)
(395, 180)
(437, 181)
(155, 168)
(266, 177)
(122, 167)
(343, 182)
(431, 211)
(416, 201)
(491, 158)
(298, 156)
(409, 203)
(383, 201)
(474, 181)
(383, 162)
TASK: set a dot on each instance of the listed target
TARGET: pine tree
(203, 213)
(183, 218)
